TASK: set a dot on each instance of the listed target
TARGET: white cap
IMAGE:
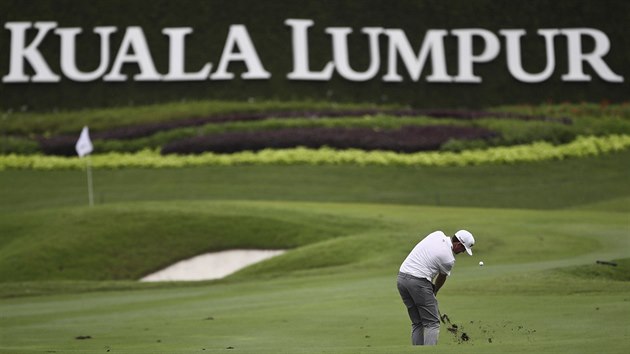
(467, 239)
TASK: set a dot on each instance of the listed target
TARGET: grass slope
(127, 241)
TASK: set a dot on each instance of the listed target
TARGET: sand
(211, 265)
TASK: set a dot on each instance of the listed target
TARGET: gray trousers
(422, 306)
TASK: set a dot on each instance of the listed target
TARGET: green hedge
(581, 147)
(264, 20)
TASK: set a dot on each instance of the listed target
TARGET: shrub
(513, 133)
(540, 151)
(62, 145)
(10, 144)
(457, 145)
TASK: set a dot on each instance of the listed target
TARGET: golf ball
(481, 263)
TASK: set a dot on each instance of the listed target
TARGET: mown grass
(544, 185)
(128, 241)
(339, 295)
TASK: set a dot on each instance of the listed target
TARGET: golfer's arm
(439, 281)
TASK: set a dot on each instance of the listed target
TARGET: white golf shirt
(432, 255)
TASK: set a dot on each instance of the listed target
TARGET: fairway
(540, 229)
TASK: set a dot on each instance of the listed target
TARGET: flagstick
(89, 179)
(84, 147)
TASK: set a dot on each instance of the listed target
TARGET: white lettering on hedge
(474, 47)
(399, 46)
(514, 56)
(301, 68)
(576, 57)
(68, 53)
(238, 36)
(340, 53)
(466, 57)
(135, 41)
(20, 52)
(177, 57)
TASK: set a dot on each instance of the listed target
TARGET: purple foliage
(142, 130)
(405, 139)
(425, 139)
(62, 145)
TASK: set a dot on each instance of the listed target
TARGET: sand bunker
(212, 265)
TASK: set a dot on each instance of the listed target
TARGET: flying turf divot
(485, 332)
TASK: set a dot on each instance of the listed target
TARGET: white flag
(84, 144)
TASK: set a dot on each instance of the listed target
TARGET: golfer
(422, 275)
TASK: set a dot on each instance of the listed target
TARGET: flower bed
(405, 139)
(142, 130)
(125, 137)
(147, 129)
